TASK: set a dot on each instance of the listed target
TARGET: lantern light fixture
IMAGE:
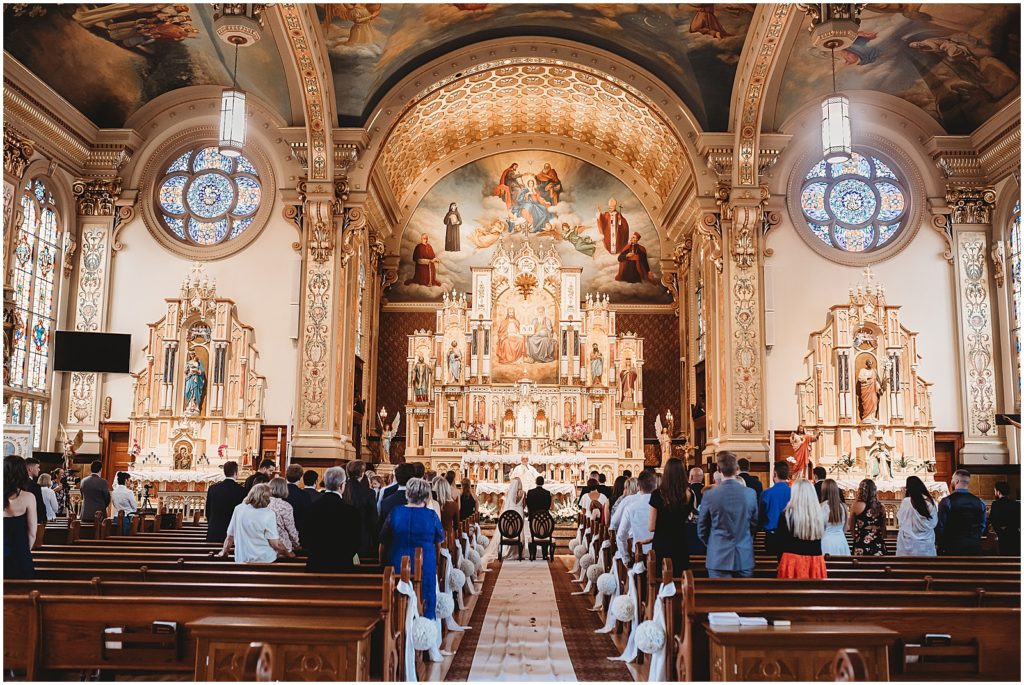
(232, 116)
(836, 136)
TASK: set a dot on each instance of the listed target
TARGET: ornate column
(970, 225)
(17, 153)
(98, 220)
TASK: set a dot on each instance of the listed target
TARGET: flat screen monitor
(92, 352)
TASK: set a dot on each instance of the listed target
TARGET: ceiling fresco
(693, 48)
(108, 60)
(546, 199)
(959, 63)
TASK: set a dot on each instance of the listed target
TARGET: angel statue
(70, 447)
(387, 433)
(664, 440)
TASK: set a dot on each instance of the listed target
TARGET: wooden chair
(259, 663)
(510, 529)
(849, 667)
(542, 528)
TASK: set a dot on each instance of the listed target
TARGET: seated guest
(49, 496)
(309, 479)
(752, 482)
(297, 495)
(333, 539)
(961, 519)
(445, 497)
(820, 474)
(123, 499)
(728, 519)
(917, 517)
(221, 500)
(799, 534)
(617, 487)
(467, 503)
(773, 501)
(1004, 518)
(284, 514)
(833, 516)
(635, 514)
(867, 520)
(19, 520)
(359, 495)
(603, 486)
(593, 495)
(403, 472)
(95, 493)
(252, 532)
(266, 468)
(629, 488)
(538, 499)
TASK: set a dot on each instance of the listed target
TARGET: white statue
(387, 434)
(664, 440)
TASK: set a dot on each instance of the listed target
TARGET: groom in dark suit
(538, 499)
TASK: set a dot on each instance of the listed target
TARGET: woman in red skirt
(799, 534)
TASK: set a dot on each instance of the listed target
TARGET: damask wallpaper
(391, 363)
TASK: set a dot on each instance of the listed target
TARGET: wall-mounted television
(92, 352)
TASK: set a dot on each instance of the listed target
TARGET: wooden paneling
(116, 442)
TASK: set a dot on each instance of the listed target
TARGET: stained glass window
(1017, 307)
(205, 198)
(857, 206)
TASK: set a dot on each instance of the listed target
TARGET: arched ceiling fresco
(694, 49)
(959, 63)
(108, 60)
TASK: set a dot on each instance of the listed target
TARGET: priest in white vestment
(526, 474)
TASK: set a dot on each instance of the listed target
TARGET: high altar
(524, 367)
(864, 394)
(199, 401)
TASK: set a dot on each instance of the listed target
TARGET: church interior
(569, 249)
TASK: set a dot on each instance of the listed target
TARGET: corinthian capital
(971, 205)
(17, 152)
(96, 197)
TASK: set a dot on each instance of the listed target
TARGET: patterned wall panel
(661, 364)
(395, 327)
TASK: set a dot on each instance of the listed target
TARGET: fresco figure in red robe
(549, 185)
(510, 185)
(633, 264)
(613, 227)
(425, 261)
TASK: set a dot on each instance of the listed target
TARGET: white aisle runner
(521, 638)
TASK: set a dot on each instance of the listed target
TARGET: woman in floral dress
(867, 521)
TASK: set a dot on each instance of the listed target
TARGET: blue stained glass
(821, 232)
(40, 191)
(882, 170)
(239, 227)
(207, 233)
(855, 239)
(817, 171)
(180, 164)
(176, 225)
(210, 195)
(172, 194)
(892, 201)
(16, 410)
(23, 251)
(856, 166)
(248, 196)
(46, 257)
(813, 201)
(245, 167)
(211, 158)
(852, 202)
(887, 231)
(40, 334)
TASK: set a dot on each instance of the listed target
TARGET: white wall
(806, 285)
(258, 279)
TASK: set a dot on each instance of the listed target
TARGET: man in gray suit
(728, 519)
(95, 492)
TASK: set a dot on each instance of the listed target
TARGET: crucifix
(868, 275)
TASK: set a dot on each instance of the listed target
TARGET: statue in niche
(879, 457)
(869, 391)
(195, 384)
(455, 363)
(596, 366)
(420, 379)
(627, 383)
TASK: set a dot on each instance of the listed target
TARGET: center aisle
(521, 638)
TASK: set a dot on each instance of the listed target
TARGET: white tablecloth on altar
(489, 488)
(487, 458)
(164, 474)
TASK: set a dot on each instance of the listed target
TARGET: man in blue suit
(728, 519)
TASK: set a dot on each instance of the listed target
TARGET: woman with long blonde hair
(799, 534)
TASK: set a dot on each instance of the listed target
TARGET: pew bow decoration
(652, 639)
(619, 608)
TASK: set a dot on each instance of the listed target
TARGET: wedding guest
(266, 468)
(123, 499)
(635, 514)
(359, 495)
(753, 482)
(413, 526)
(727, 521)
(773, 502)
(49, 496)
(284, 514)
(32, 466)
(19, 520)
(799, 534)
(617, 487)
(467, 503)
(309, 479)
(591, 496)
(95, 493)
(961, 519)
(820, 474)
(833, 515)
(602, 485)
(252, 532)
(672, 507)
(333, 540)
(917, 517)
(1004, 518)
(696, 483)
(629, 489)
(445, 497)
(396, 496)
(221, 500)
(298, 497)
(867, 520)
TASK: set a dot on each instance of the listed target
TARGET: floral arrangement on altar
(487, 511)
(844, 465)
(478, 436)
(566, 513)
(575, 435)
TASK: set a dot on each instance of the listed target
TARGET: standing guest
(359, 496)
(635, 514)
(696, 483)
(627, 474)
(332, 542)
(95, 492)
(445, 496)
(123, 499)
(799, 534)
(267, 467)
(820, 474)
(773, 502)
(49, 496)
(19, 520)
(593, 495)
(284, 514)
(961, 519)
(671, 507)
(419, 470)
(390, 488)
(631, 488)
(617, 488)
(252, 532)
(221, 500)
(413, 526)
(867, 520)
(450, 477)
(917, 517)
(1004, 518)
(32, 466)
(602, 486)
(467, 503)
(833, 515)
(309, 479)
(60, 488)
(403, 474)
(297, 496)
(429, 475)
(753, 482)
(728, 519)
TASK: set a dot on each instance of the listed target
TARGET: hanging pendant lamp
(232, 116)
(836, 137)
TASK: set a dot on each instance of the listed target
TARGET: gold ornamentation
(998, 259)
(96, 197)
(525, 284)
(971, 205)
(318, 110)
(17, 152)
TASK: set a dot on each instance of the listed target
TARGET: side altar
(864, 395)
(525, 366)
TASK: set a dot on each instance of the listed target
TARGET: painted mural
(110, 59)
(693, 48)
(959, 63)
(591, 219)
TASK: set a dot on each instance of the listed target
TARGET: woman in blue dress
(411, 526)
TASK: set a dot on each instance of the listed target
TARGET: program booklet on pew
(731, 618)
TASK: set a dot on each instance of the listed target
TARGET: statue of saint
(420, 380)
(195, 384)
(627, 382)
(596, 366)
(387, 434)
(664, 440)
(455, 363)
(801, 443)
(879, 457)
(869, 391)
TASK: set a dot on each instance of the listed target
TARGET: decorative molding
(96, 197)
(122, 217)
(17, 152)
(998, 260)
(971, 205)
(940, 222)
(315, 94)
(976, 321)
(92, 274)
(31, 114)
(81, 397)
